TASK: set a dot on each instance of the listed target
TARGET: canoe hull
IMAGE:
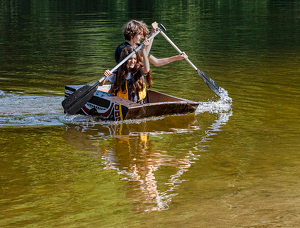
(109, 107)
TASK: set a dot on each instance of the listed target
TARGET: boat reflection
(151, 155)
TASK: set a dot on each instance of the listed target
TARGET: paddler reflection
(151, 155)
(139, 151)
(139, 160)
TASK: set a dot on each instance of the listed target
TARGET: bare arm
(146, 67)
(154, 26)
(163, 61)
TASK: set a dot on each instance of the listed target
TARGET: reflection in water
(131, 149)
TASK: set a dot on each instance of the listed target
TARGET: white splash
(219, 106)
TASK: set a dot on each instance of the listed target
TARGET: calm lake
(235, 162)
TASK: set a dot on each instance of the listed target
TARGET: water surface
(233, 163)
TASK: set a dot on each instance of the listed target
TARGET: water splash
(219, 106)
(19, 109)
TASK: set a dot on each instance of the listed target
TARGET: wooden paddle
(74, 102)
(209, 82)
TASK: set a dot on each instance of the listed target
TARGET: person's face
(131, 62)
(138, 37)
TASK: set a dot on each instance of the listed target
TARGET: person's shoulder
(119, 49)
(123, 45)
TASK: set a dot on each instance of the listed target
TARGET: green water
(233, 163)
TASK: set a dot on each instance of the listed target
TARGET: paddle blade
(73, 103)
(209, 82)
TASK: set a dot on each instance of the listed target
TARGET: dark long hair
(123, 70)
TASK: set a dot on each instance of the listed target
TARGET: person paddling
(128, 80)
(134, 31)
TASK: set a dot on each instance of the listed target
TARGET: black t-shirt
(120, 49)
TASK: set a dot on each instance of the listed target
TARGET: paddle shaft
(210, 83)
(177, 49)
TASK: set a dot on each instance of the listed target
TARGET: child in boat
(128, 80)
(134, 31)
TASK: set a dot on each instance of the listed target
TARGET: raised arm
(146, 67)
(154, 27)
